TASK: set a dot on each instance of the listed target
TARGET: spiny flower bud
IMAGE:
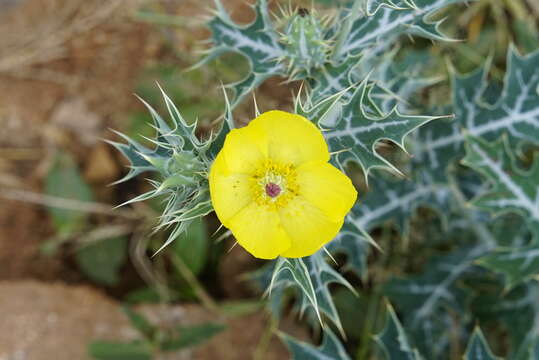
(304, 42)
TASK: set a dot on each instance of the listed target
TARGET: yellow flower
(272, 186)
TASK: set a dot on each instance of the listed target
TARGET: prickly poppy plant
(468, 271)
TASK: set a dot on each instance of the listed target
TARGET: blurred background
(69, 261)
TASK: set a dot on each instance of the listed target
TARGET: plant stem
(201, 293)
(263, 344)
(372, 312)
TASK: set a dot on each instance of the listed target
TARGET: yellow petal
(258, 230)
(230, 192)
(307, 226)
(327, 188)
(291, 139)
(244, 149)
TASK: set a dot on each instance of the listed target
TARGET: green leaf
(105, 350)
(356, 133)
(139, 322)
(64, 181)
(311, 276)
(518, 265)
(513, 189)
(294, 271)
(192, 246)
(398, 201)
(226, 126)
(384, 24)
(353, 242)
(425, 299)
(478, 348)
(191, 336)
(399, 80)
(257, 41)
(322, 275)
(514, 113)
(517, 311)
(387, 200)
(102, 261)
(147, 295)
(332, 79)
(331, 348)
(182, 160)
(393, 341)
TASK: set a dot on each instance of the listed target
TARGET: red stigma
(273, 190)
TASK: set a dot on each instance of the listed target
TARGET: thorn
(330, 256)
(216, 231)
(257, 111)
(233, 246)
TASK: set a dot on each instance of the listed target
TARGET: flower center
(273, 190)
(274, 184)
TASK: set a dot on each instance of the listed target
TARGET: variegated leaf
(356, 133)
(517, 264)
(518, 312)
(312, 275)
(513, 189)
(330, 349)
(393, 340)
(372, 6)
(515, 112)
(257, 41)
(322, 275)
(398, 200)
(386, 201)
(289, 271)
(398, 81)
(389, 22)
(424, 299)
(354, 243)
(478, 348)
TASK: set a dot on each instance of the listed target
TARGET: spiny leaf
(294, 271)
(322, 275)
(332, 79)
(389, 22)
(182, 161)
(227, 125)
(518, 265)
(354, 243)
(518, 311)
(393, 340)
(387, 200)
(312, 275)
(373, 6)
(330, 349)
(398, 80)
(478, 348)
(513, 189)
(356, 133)
(257, 41)
(398, 200)
(424, 299)
(515, 113)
